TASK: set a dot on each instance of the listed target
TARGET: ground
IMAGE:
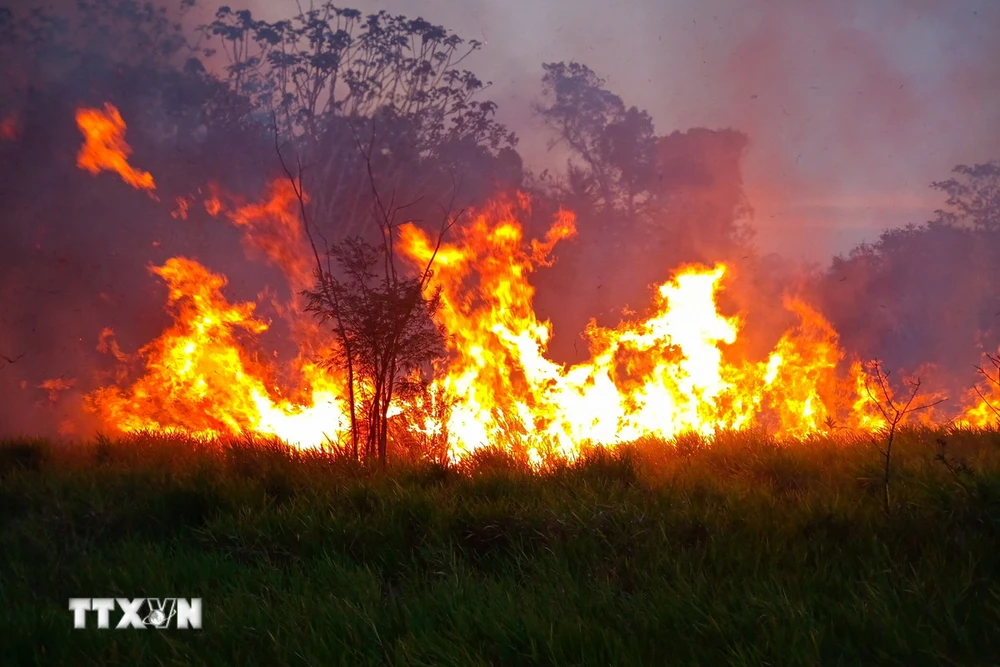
(741, 551)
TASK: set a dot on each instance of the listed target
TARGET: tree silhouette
(616, 143)
(973, 197)
(926, 293)
(894, 409)
(385, 329)
(328, 72)
(381, 317)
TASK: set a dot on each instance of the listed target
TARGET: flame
(680, 368)
(56, 386)
(984, 413)
(105, 148)
(200, 376)
(983, 400)
(200, 380)
(660, 376)
(272, 228)
(663, 375)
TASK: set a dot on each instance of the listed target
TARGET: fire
(677, 369)
(272, 229)
(200, 380)
(201, 377)
(105, 148)
(55, 386)
(800, 382)
(982, 414)
(983, 401)
(660, 376)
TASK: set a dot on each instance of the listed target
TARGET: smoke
(856, 107)
(76, 248)
(852, 108)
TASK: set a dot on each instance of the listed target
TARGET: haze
(853, 108)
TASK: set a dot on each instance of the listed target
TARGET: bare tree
(894, 410)
(381, 317)
(384, 327)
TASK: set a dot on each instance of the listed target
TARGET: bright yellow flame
(199, 380)
(660, 376)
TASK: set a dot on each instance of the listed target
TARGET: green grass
(743, 551)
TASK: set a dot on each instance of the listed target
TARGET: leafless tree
(894, 410)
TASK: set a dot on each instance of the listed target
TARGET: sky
(853, 107)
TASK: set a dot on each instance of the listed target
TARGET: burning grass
(739, 550)
(345, 354)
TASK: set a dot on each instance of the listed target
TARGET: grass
(742, 551)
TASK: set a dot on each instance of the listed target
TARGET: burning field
(295, 326)
(680, 366)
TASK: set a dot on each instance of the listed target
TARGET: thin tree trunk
(373, 420)
(888, 463)
(384, 422)
(353, 406)
(349, 354)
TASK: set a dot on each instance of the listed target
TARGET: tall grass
(740, 550)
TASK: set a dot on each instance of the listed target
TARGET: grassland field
(742, 550)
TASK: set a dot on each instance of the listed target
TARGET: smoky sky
(853, 107)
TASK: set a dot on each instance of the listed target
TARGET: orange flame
(199, 376)
(983, 400)
(660, 376)
(272, 228)
(105, 148)
(676, 370)
(199, 379)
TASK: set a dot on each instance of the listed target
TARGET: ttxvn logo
(139, 613)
